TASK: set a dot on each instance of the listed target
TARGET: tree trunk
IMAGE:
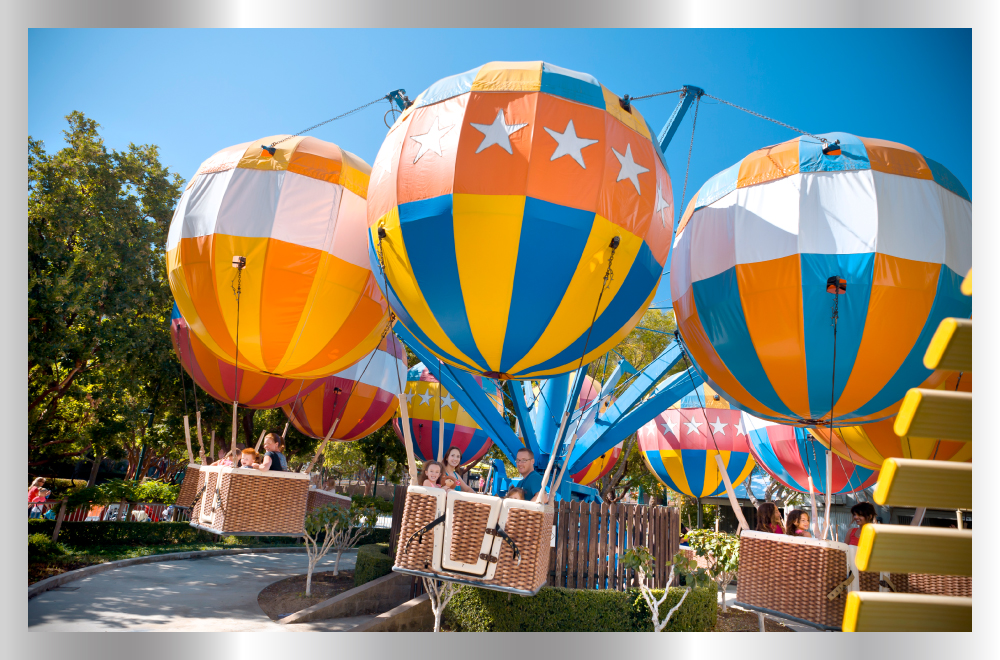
(309, 577)
(336, 562)
(247, 422)
(698, 504)
(94, 469)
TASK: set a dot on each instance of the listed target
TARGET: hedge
(381, 504)
(377, 535)
(575, 610)
(41, 548)
(373, 562)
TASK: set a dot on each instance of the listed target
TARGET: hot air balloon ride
(227, 383)
(427, 401)
(680, 444)
(808, 278)
(267, 248)
(792, 456)
(356, 401)
(868, 445)
(500, 202)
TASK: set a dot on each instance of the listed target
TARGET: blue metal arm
(521, 410)
(667, 394)
(689, 94)
(641, 386)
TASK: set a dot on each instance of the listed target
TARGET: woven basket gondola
(919, 583)
(245, 502)
(792, 576)
(318, 498)
(528, 525)
(189, 487)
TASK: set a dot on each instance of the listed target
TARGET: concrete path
(794, 625)
(213, 594)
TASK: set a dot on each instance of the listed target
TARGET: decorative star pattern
(447, 400)
(739, 428)
(693, 425)
(661, 204)
(384, 166)
(425, 398)
(629, 168)
(431, 140)
(569, 144)
(409, 397)
(718, 426)
(670, 426)
(497, 133)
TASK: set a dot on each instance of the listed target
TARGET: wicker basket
(464, 548)
(919, 583)
(189, 487)
(245, 502)
(792, 576)
(318, 498)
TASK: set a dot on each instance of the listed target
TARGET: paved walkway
(794, 625)
(212, 594)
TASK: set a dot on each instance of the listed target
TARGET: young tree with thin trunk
(440, 594)
(332, 527)
(641, 560)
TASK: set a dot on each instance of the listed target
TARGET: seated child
(431, 475)
(247, 458)
(798, 524)
(515, 494)
(273, 460)
(228, 460)
(448, 483)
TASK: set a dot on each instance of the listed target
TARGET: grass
(79, 557)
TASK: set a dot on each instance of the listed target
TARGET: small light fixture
(836, 285)
(269, 150)
(615, 242)
(625, 103)
(239, 262)
(381, 232)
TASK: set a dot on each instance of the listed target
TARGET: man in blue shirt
(531, 481)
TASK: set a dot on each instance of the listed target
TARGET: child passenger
(431, 475)
(798, 524)
(862, 513)
(247, 458)
(515, 494)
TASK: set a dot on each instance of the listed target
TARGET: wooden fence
(590, 540)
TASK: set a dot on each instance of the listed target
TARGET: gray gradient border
(22, 15)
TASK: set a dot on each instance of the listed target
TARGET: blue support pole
(688, 94)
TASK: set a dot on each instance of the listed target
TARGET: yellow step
(951, 346)
(905, 549)
(872, 611)
(934, 484)
(935, 414)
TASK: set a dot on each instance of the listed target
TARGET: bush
(41, 548)
(89, 534)
(62, 487)
(373, 562)
(697, 614)
(375, 535)
(380, 504)
(573, 610)
(156, 492)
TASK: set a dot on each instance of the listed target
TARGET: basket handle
(419, 534)
(839, 589)
(509, 541)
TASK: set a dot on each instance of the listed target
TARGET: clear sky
(193, 92)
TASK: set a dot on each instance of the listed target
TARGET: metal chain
(757, 114)
(649, 96)
(349, 112)
(694, 122)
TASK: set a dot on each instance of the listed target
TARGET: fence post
(59, 520)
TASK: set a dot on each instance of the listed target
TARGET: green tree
(98, 300)
(384, 454)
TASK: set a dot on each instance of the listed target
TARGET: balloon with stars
(427, 402)
(680, 444)
(492, 206)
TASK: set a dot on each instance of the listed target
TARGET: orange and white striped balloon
(308, 305)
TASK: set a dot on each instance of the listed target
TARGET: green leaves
(723, 550)
(693, 576)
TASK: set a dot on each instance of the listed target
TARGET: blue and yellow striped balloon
(493, 206)
(680, 445)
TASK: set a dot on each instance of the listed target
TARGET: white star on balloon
(431, 140)
(693, 426)
(497, 133)
(425, 398)
(409, 397)
(661, 203)
(568, 144)
(670, 426)
(447, 400)
(718, 426)
(630, 169)
(739, 428)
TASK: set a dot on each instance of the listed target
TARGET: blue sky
(193, 92)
